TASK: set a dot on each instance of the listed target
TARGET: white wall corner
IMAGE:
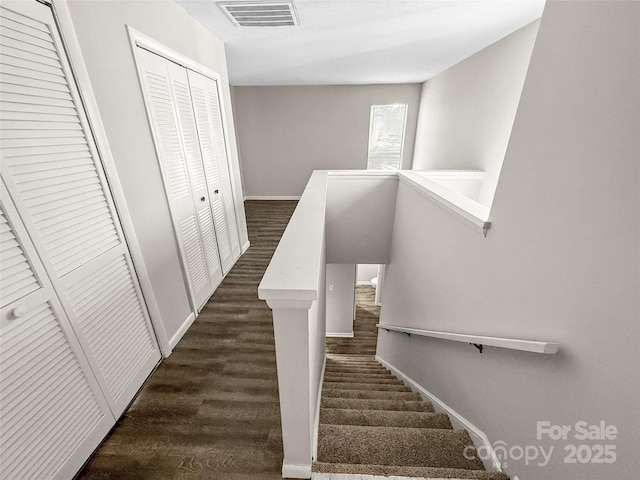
(479, 438)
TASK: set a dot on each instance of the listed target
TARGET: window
(386, 136)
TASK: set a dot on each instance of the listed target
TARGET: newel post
(291, 330)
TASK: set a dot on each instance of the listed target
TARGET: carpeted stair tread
(352, 369)
(339, 358)
(363, 379)
(370, 404)
(424, 472)
(371, 394)
(390, 387)
(352, 375)
(385, 418)
(395, 446)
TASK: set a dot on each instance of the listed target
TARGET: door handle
(20, 311)
(216, 191)
(202, 199)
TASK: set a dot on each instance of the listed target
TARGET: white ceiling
(341, 42)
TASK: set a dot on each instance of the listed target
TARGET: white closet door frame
(66, 29)
(139, 39)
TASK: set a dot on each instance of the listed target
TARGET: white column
(291, 329)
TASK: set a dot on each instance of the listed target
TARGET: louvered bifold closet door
(54, 176)
(52, 412)
(174, 164)
(195, 168)
(204, 92)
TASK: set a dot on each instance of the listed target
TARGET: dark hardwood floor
(365, 333)
(210, 410)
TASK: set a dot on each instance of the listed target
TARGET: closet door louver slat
(16, 276)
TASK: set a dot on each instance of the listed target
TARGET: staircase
(372, 424)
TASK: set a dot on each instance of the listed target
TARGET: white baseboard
(340, 334)
(296, 471)
(360, 476)
(364, 282)
(182, 330)
(458, 421)
(272, 197)
(245, 247)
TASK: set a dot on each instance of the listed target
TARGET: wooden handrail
(479, 341)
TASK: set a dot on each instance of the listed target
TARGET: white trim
(74, 53)
(182, 330)
(272, 197)
(339, 335)
(316, 421)
(360, 174)
(296, 471)
(362, 476)
(534, 346)
(245, 247)
(457, 420)
(471, 212)
(362, 283)
(139, 39)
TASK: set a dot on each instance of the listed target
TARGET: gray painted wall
(560, 263)
(340, 291)
(100, 27)
(466, 112)
(359, 218)
(285, 133)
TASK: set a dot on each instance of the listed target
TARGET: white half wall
(467, 112)
(359, 218)
(101, 30)
(560, 263)
(285, 133)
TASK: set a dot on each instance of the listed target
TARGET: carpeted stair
(372, 424)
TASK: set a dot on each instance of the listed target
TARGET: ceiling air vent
(260, 14)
